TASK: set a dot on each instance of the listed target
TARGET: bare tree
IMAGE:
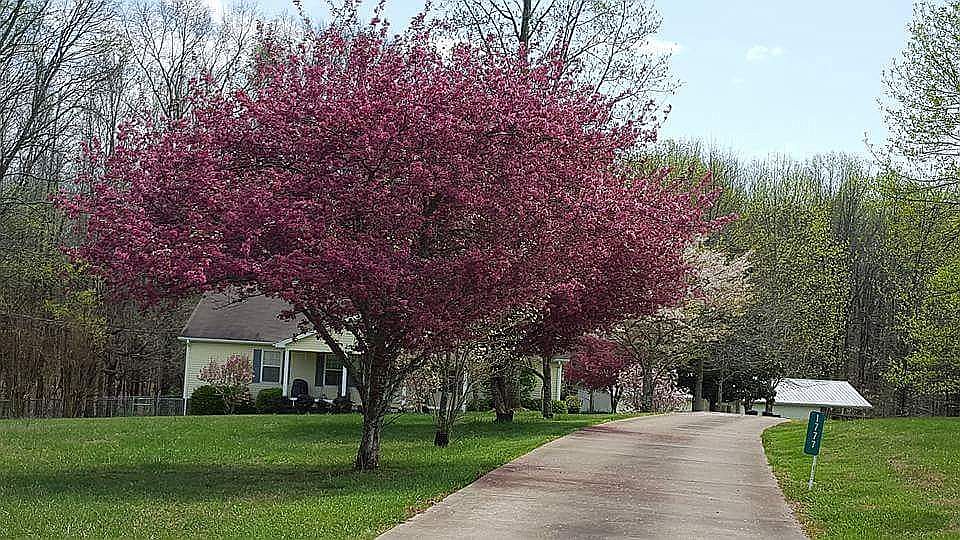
(173, 44)
(70, 72)
(45, 48)
(609, 44)
(454, 374)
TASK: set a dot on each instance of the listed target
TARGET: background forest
(853, 263)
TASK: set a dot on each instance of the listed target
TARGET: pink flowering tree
(385, 189)
(231, 379)
(631, 265)
(597, 365)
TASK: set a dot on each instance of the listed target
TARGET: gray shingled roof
(220, 316)
(822, 393)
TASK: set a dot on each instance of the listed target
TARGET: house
(282, 353)
(599, 401)
(795, 398)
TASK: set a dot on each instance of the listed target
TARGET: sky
(763, 77)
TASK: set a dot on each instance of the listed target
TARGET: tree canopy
(393, 191)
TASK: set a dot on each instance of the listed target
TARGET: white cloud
(759, 53)
(659, 47)
(444, 44)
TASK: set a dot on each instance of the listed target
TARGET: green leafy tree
(922, 105)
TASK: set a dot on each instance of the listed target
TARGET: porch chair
(300, 396)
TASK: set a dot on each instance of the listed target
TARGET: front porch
(319, 374)
(309, 367)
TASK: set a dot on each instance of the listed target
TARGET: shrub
(271, 401)
(342, 404)
(482, 404)
(531, 403)
(573, 404)
(303, 404)
(559, 407)
(207, 400)
(322, 406)
(245, 406)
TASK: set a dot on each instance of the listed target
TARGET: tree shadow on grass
(411, 428)
(291, 459)
(186, 483)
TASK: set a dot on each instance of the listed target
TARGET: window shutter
(318, 377)
(257, 359)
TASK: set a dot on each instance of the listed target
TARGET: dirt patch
(917, 476)
(422, 506)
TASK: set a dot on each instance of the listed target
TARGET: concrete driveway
(692, 475)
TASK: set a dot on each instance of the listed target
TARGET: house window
(332, 370)
(270, 366)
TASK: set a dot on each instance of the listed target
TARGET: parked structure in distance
(795, 398)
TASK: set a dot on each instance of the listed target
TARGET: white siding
(796, 412)
(305, 350)
(303, 363)
(303, 366)
(313, 343)
(600, 403)
(555, 375)
(201, 352)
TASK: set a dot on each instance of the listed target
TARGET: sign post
(812, 445)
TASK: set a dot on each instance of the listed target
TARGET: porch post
(559, 378)
(284, 378)
(343, 381)
(186, 364)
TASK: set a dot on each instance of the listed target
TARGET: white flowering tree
(718, 294)
(230, 379)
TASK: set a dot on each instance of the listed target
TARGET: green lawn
(884, 478)
(249, 476)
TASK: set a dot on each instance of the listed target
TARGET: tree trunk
(374, 407)
(647, 390)
(441, 438)
(614, 399)
(499, 394)
(525, 16)
(698, 388)
(546, 396)
(368, 455)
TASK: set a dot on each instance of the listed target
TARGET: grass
(241, 476)
(882, 478)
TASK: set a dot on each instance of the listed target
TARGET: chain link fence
(95, 408)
